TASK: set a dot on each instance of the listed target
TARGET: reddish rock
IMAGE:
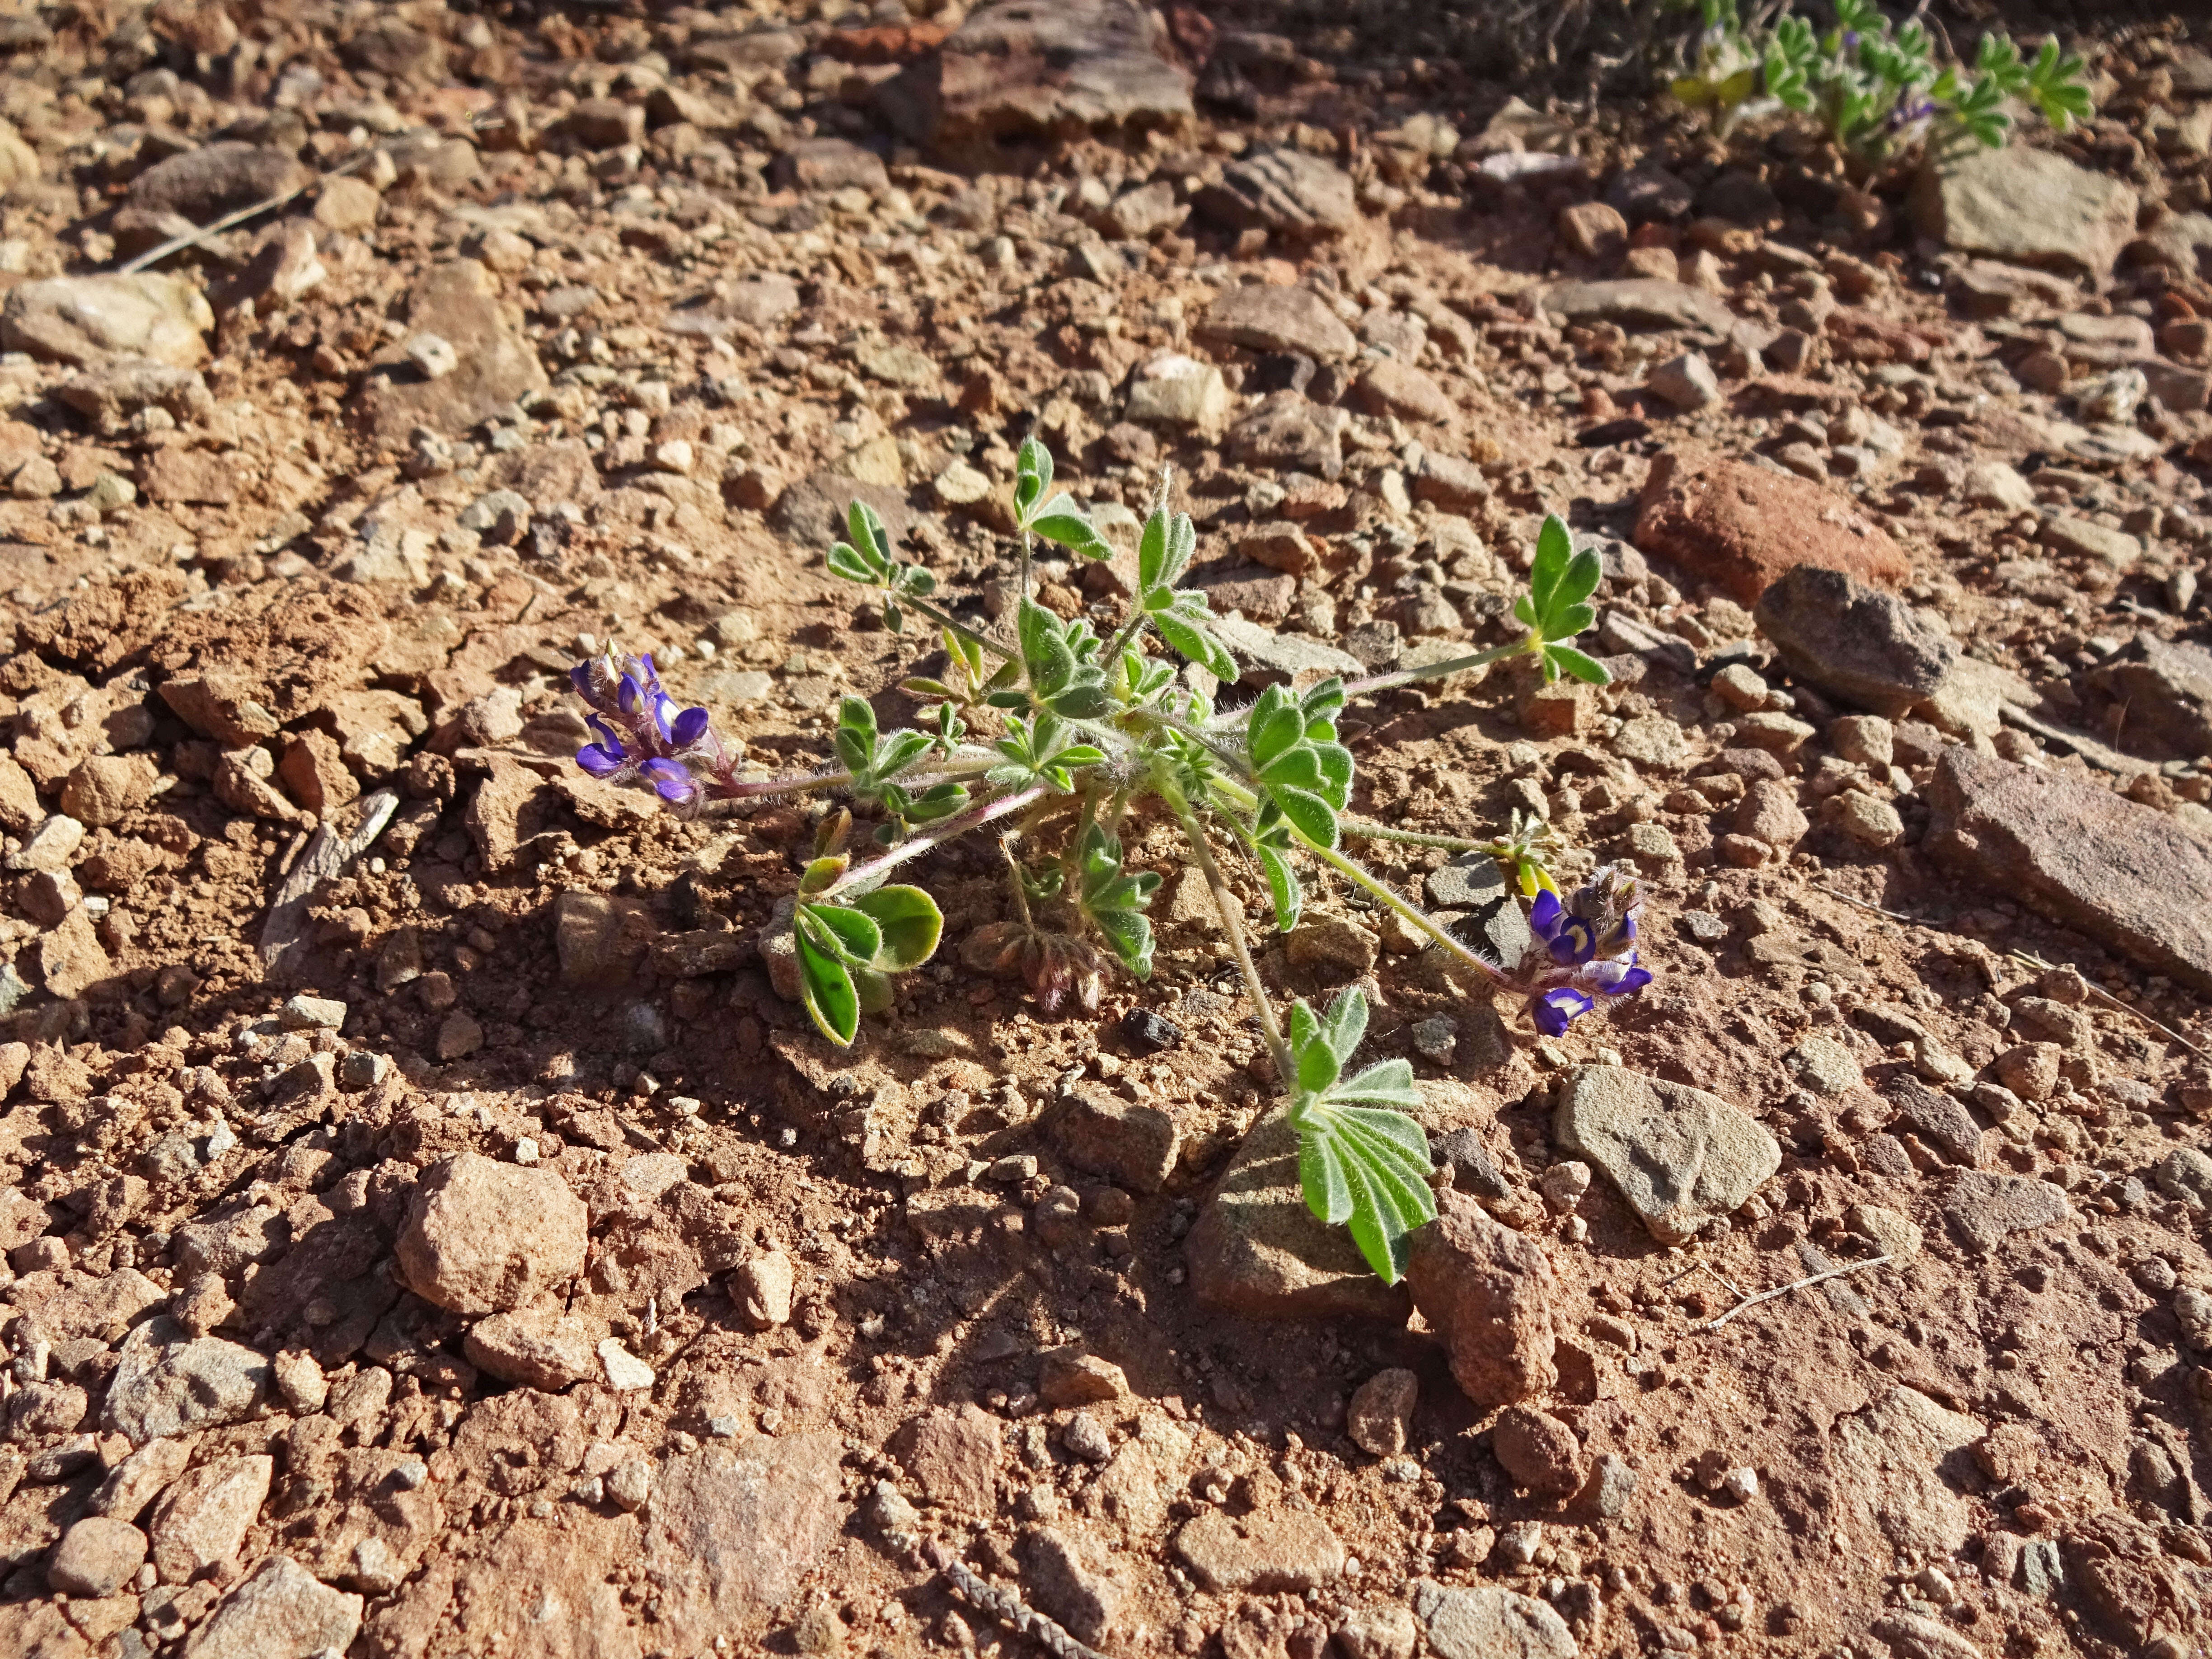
(1741, 526)
(953, 1456)
(1489, 1292)
(1539, 1452)
(730, 1533)
(2127, 875)
(484, 1237)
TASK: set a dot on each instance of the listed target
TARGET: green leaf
(1061, 521)
(1045, 650)
(900, 750)
(1347, 1022)
(1032, 477)
(1569, 620)
(821, 872)
(1274, 727)
(909, 923)
(1152, 550)
(1555, 550)
(1314, 817)
(866, 529)
(1321, 1177)
(1386, 1083)
(1086, 700)
(826, 988)
(1367, 1170)
(1195, 643)
(846, 561)
(1283, 887)
(841, 931)
(855, 742)
(1568, 661)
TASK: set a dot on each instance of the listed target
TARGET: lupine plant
(1879, 91)
(1097, 731)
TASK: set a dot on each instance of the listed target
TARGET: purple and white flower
(1590, 938)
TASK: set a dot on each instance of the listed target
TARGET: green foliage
(1362, 1161)
(1093, 727)
(1877, 90)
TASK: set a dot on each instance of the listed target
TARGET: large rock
(538, 1348)
(1274, 1550)
(1680, 1156)
(2166, 690)
(458, 302)
(1489, 1293)
(1284, 190)
(206, 183)
(203, 1518)
(729, 1534)
(1638, 301)
(952, 1456)
(1132, 1145)
(1743, 526)
(1017, 70)
(1268, 657)
(1257, 1250)
(1868, 647)
(2026, 205)
(1287, 433)
(282, 1611)
(484, 1237)
(1490, 1622)
(166, 1382)
(1899, 1463)
(1268, 318)
(86, 320)
(2127, 875)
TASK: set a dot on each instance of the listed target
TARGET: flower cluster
(1591, 940)
(644, 739)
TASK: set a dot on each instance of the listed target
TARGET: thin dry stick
(1003, 1605)
(2032, 961)
(1785, 1290)
(193, 237)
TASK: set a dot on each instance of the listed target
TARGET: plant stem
(946, 619)
(1367, 830)
(1014, 878)
(1353, 871)
(945, 829)
(1232, 923)
(1437, 671)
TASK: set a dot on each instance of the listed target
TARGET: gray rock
(812, 511)
(206, 183)
(459, 302)
(1892, 1460)
(1940, 1122)
(2167, 691)
(111, 395)
(1134, 1146)
(1489, 1622)
(167, 1383)
(757, 301)
(1472, 1168)
(87, 320)
(2026, 205)
(1287, 434)
(2085, 538)
(730, 1533)
(1273, 1550)
(2127, 875)
(282, 1611)
(1824, 1065)
(1494, 925)
(1854, 641)
(1269, 657)
(1266, 317)
(2186, 1174)
(1680, 1156)
(1687, 382)
(1982, 1209)
(1257, 1250)
(1639, 301)
(1062, 1580)
(1286, 191)
(1612, 1484)
(1018, 69)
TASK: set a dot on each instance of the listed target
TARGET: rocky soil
(428, 1232)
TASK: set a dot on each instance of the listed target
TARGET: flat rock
(1393, 386)
(1266, 317)
(1015, 70)
(730, 1533)
(812, 512)
(2127, 875)
(1899, 1465)
(1983, 1208)
(1257, 1250)
(1742, 526)
(1287, 433)
(1284, 192)
(87, 320)
(1638, 301)
(282, 1611)
(2165, 687)
(1490, 1622)
(482, 1238)
(952, 1456)
(458, 301)
(1274, 1550)
(167, 1384)
(1680, 1156)
(2027, 205)
(1856, 642)
(204, 1517)
(1489, 1292)
(206, 183)
(542, 1347)
(1268, 657)
(757, 301)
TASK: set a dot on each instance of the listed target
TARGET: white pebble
(1741, 1484)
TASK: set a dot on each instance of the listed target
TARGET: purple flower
(1571, 939)
(671, 780)
(643, 738)
(606, 757)
(689, 727)
(1554, 1010)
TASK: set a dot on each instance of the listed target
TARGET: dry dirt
(458, 1248)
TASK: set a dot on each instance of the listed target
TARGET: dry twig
(1785, 1290)
(1004, 1604)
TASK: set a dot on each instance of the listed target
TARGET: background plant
(1878, 91)
(1096, 729)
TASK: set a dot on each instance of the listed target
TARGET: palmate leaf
(1061, 521)
(1032, 477)
(825, 986)
(909, 925)
(1367, 1171)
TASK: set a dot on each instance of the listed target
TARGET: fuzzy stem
(1014, 879)
(1232, 924)
(1367, 830)
(1437, 671)
(937, 835)
(946, 619)
(1351, 869)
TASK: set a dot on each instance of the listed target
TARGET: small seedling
(1100, 730)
